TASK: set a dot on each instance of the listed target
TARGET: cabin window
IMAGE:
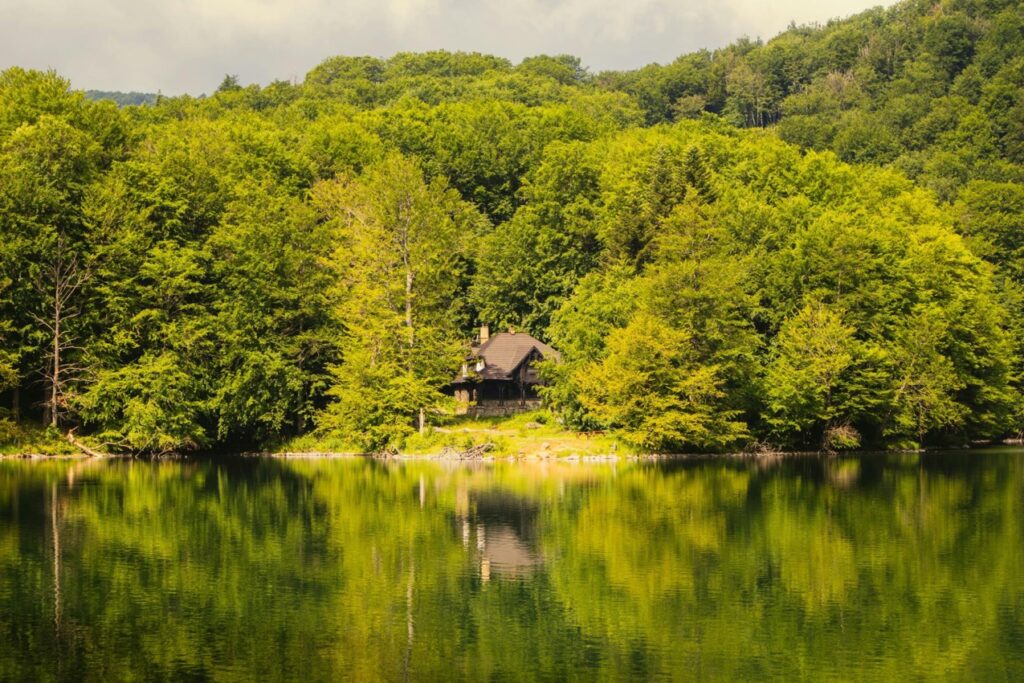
(480, 365)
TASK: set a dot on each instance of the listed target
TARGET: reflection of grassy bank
(359, 569)
(23, 439)
(532, 435)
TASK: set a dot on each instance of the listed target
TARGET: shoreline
(43, 456)
(531, 458)
(579, 458)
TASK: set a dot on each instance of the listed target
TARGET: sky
(187, 46)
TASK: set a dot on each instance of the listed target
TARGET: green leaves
(153, 405)
(818, 375)
(528, 266)
(401, 245)
(798, 301)
(653, 388)
(266, 259)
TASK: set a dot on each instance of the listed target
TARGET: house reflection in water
(499, 530)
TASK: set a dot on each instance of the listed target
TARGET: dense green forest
(812, 242)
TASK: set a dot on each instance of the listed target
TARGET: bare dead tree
(58, 283)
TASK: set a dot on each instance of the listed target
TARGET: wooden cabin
(499, 377)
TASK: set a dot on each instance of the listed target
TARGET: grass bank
(535, 434)
(28, 439)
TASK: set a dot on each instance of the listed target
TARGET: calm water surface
(874, 568)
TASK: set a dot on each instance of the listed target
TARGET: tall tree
(59, 281)
(45, 168)
(269, 306)
(399, 262)
(8, 357)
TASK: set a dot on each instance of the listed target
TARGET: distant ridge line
(123, 99)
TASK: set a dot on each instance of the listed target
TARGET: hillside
(265, 263)
(932, 88)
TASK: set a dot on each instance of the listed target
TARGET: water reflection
(873, 568)
(501, 527)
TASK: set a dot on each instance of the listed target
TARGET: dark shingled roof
(505, 351)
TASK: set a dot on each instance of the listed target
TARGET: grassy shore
(28, 439)
(535, 434)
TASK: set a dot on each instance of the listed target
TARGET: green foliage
(270, 314)
(529, 266)
(992, 216)
(153, 405)
(565, 69)
(399, 255)
(819, 376)
(830, 308)
(234, 270)
(26, 439)
(123, 99)
(652, 388)
(26, 96)
(8, 352)
(875, 88)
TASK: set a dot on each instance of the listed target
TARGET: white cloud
(188, 45)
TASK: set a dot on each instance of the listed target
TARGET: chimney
(485, 334)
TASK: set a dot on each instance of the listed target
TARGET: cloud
(188, 45)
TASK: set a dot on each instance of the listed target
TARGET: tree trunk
(408, 306)
(408, 322)
(82, 447)
(300, 418)
(62, 280)
(16, 404)
(55, 380)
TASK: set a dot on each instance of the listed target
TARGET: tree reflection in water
(880, 567)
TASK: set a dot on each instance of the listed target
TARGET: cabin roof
(504, 352)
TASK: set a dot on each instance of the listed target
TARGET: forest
(812, 242)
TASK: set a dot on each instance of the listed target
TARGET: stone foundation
(496, 409)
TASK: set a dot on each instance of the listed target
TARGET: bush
(9, 432)
(841, 438)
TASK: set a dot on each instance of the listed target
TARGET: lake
(875, 568)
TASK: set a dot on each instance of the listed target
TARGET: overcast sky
(179, 46)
